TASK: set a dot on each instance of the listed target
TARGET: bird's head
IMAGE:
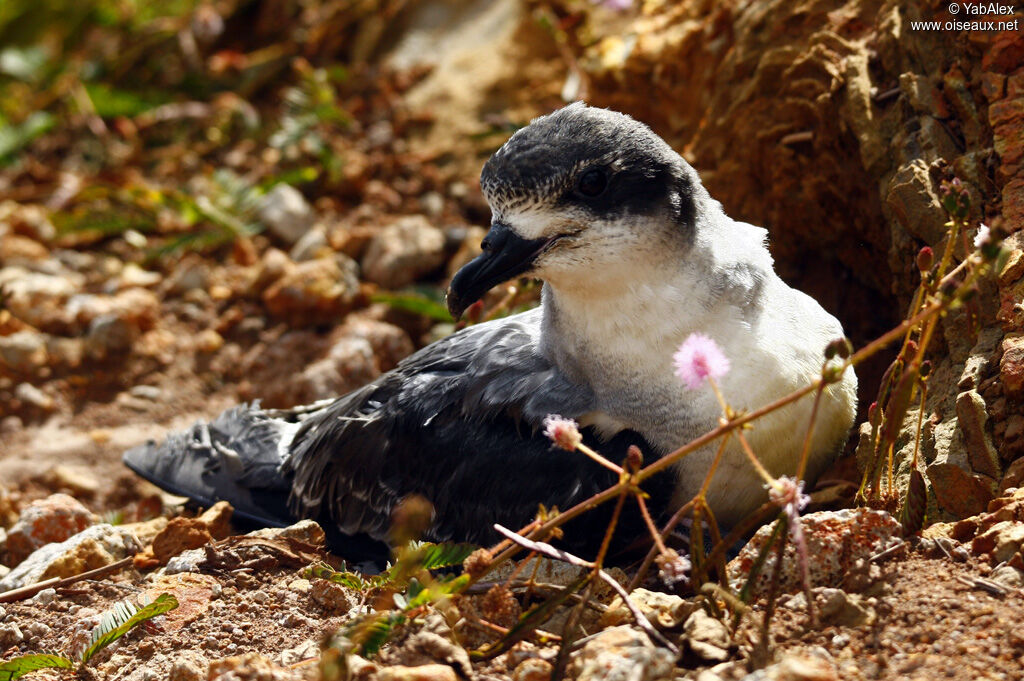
(579, 189)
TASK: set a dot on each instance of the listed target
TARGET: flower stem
(598, 458)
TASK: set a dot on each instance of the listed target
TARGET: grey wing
(458, 423)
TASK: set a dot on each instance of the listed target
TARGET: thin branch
(58, 582)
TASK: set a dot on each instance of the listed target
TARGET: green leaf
(19, 666)
(123, 618)
(13, 138)
(352, 580)
(437, 591)
(436, 556)
(368, 634)
(110, 102)
(415, 302)
(295, 176)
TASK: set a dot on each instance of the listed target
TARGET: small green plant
(114, 624)
(420, 302)
(407, 585)
(412, 559)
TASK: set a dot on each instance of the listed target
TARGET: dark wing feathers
(459, 423)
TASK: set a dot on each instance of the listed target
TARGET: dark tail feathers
(236, 458)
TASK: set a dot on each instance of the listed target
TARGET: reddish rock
(1006, 116)
(1013, 197)
(1013, 500)
(1011, 366)
(1002, 541)
(180, 535)
(217, 519)
(192, 590)
(53, 519)
(958, 492)
(1014, 427)
(1013, 269)
(835, 540)
(999, 531)
(1005, 52)
(314, 292)
(1014, 476)
(332, 597)
(1011, 306)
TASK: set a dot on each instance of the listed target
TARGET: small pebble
(146, 392)
(45, 597)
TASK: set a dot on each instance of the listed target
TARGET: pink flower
(983, 236)
(673, 568)
(788, 494)
(698, 359)
(565, 433)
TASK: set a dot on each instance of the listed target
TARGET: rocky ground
(285, 234)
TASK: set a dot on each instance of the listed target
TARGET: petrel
(635, 256)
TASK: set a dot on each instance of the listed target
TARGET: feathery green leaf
(19, 666)
(122, 618)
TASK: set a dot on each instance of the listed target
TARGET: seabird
(635, 256)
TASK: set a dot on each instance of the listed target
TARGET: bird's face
(580, 189)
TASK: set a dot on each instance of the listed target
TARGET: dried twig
(882, 555)
(994, 588)
(58, 582)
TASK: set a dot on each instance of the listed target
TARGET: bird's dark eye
(592, 183)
